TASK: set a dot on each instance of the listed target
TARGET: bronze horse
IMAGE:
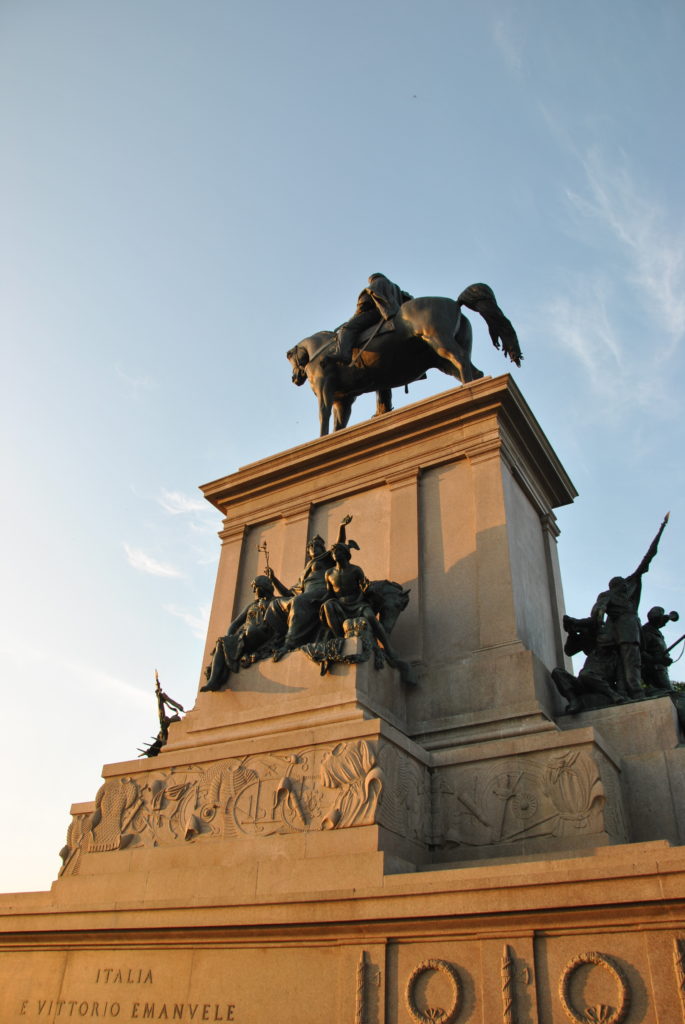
(426, 333)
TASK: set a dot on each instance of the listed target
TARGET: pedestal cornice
(424, 434)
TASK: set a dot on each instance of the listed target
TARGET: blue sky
(188, 189)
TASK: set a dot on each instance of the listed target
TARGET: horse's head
(299, 358)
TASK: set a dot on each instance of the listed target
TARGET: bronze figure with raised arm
(294, 616)
(620, 605)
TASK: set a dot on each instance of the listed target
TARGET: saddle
(373, 331)
(385, 328)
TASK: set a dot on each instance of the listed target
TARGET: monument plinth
(349, 845)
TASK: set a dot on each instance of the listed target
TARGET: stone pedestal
(346, 847)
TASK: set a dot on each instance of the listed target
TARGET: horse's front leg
(383, 401)
(325, 396)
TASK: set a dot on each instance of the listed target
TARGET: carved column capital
(549, 524)
(232, 532)
(403, 478)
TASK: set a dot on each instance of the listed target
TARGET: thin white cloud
(581, 323)
(145, 563)
(508, 46)
(197, 621)
(585, 329)
(177, 503)
(136, 385)
(605, 313)
(85, 676)
(652, 247)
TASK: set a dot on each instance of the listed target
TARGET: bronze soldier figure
(379, 301)
(655, 656)
(620, 605)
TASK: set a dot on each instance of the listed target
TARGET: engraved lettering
(73, 1008)
(117, 976)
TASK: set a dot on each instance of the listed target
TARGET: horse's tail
(481, 299)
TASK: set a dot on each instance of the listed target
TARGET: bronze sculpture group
(625, 660)
(392, 340)
(312, 615)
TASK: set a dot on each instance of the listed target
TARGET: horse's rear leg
(463, 341)
(383, 401)
(470, 372)
(456, 352)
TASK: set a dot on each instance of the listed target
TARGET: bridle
(320, 351)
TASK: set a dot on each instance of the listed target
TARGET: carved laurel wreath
(437, 1015)
(600, 1014)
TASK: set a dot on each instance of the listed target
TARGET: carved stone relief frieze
(679, 966)
(260, 795)
(511, 800)
(406, 806)
(78, 826)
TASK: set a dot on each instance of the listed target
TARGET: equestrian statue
(391, 340)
